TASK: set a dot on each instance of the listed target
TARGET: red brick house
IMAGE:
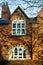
(20, 39)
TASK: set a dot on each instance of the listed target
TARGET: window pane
(14, 31)
(20, 50)
(11, 53)
(23, 25)
(18, 31)
(20, 53)
(24, 54)
(20, 56)
(23, 31)
(14, 25)
(16, 51)
(18, 25)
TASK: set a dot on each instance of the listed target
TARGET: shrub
(24, 63)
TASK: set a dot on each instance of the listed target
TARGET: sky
(30, 7)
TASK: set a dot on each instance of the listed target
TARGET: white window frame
(12, 50)
(17, 22)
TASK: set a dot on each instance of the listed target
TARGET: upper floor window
(18, 27)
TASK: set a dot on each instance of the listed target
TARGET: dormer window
(18, 27)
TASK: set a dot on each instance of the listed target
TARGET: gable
(18, 13)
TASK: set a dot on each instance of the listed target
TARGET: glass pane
(11, 54)
(16, 51)
(18, 25)
(23, 25)
(24, 54)
(20, 50)
(14, 31)
(14, 25)
(23, 31)
(20, 53)
(18, 31)
(20, 56)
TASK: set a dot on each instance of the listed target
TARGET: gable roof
(30, 19)
(20, 10)
(3, 21)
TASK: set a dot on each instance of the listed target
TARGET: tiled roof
(3, 21)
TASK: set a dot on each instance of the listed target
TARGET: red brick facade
(33, 40)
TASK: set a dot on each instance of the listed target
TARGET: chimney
(5, 11)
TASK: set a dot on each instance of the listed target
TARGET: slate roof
(3, 21)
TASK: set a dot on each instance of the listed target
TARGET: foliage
(24, 63)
